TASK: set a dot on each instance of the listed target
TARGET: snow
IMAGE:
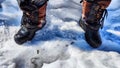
(60, 44)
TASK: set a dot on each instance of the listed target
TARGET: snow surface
(60, 44)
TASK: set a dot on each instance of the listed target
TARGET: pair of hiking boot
(93, 13)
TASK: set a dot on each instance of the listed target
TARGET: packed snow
(60, 44)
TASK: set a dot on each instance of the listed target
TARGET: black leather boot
(27, 31)
(93, 14)
(92, 35)
(33, 19)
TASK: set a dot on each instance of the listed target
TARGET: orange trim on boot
(86, 7)
(42, 15)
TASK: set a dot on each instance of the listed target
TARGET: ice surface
(60, 44)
